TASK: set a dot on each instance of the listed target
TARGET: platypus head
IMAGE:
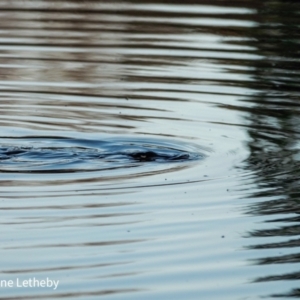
(144, 156)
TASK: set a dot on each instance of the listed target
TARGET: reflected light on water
(149, 150)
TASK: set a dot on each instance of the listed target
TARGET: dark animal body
(153, 156)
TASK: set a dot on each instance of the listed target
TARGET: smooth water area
(149, 149)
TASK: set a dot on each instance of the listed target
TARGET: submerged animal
(71, 155)
(154, 156)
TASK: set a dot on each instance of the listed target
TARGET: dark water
(63, 155)
(149, 149)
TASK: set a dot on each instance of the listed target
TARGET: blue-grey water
(149, 149)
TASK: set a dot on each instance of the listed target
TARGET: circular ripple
(68, 155)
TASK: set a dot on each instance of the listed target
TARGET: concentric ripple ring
(67, 155)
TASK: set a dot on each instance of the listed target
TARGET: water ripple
(149, 149)
(58, 154)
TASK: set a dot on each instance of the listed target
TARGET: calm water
(149, 149)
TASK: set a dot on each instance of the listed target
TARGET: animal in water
(153, 156)
(48, 153)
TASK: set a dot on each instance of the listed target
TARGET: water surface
(149, 149)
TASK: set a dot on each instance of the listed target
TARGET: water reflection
(273, 122)
(222, 76)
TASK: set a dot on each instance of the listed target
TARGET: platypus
(144, 156)
(152, 156)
